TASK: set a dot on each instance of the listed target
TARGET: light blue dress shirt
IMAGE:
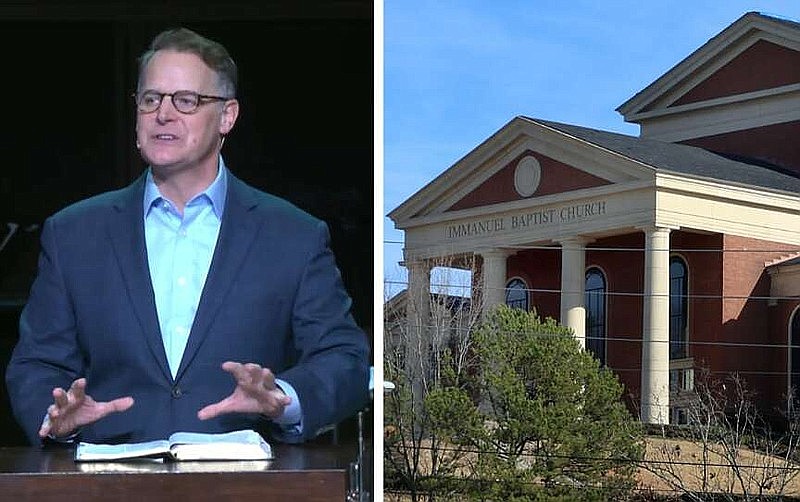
(179, 252)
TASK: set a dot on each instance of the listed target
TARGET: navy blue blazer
(273, 296)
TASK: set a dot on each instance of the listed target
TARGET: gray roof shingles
(683, 159)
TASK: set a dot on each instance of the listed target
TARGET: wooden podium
(311, 472)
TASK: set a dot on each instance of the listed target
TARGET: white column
(417, 320)
(573, 283)
(655, 327)
(418, 306)
(494, 277)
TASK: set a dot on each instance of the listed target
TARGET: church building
(668, 253)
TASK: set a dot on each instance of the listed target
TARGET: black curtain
(304, 132)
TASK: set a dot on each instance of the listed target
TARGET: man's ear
(230, 112)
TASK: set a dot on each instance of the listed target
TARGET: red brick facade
(556, 177)
(732, 325)
(764, 65)
(775, 144)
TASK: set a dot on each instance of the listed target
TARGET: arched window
(517, 295)
(678, 308)
(794, 359)
(595, 300)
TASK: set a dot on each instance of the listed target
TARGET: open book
(237, 445)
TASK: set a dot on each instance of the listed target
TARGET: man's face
(170, 139)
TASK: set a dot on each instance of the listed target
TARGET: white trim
(707, 119)
(784, 201)
(722, 101)
(455, 173)
(495, 153)
(740, 35)
(526, 204)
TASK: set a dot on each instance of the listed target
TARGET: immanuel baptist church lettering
(523, 221)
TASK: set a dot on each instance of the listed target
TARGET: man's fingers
(250, 374)
(254, 373)
(119, 404)
(237, 371)
(256, 392)
(208, 412)
(213, 410)
(78, 390)
(45, 429)
(60, 398)
(284, 399)
(231, 366)
(77, 393)
(268, 379)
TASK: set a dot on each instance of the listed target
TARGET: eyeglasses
(183, 101)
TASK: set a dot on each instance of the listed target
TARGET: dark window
(678, 308)
(595, 299)
(517, 295)
(794, 357)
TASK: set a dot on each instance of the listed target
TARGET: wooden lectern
(310, 472)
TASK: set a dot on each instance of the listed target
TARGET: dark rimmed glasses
(183, 101)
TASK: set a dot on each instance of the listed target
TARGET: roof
(787, 263)
(747, 29)
(397, 303)
(682, 159)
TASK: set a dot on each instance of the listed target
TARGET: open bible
(236, 445)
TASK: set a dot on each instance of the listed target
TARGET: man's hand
(255, 392)
(72, 409)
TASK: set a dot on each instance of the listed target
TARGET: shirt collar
(215, 192)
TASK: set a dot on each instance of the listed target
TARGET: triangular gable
(554, 177)
(764, 65)
(486, 174)
(739, 61)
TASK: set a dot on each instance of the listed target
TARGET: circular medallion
(527, 176)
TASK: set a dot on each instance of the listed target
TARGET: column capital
(416, 263)
(495, 252)
(493, 278)
(657, 228)
(575, 240)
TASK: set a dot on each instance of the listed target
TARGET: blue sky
(455, 71)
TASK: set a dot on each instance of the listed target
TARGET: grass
(672, 465)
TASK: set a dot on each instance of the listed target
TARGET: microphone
(12, 228)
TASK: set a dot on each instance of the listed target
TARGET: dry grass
(682, 461)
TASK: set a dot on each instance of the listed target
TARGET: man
(188, 300)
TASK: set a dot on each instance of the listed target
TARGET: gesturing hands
(73, 408)
(255, 392)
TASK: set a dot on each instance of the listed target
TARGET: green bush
(532, 418)
(554, 422)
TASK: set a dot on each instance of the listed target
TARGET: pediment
(525, 161)
(755, 56)
(530, 174)
(763, 65)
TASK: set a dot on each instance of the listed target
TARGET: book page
(237, 445)
(219, 451)
(93, 451)
(243, 436)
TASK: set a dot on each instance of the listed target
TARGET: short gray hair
(213, 54)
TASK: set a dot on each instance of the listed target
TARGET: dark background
(305, 130)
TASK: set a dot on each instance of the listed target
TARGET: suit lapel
(126, 231)
(237, 230)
